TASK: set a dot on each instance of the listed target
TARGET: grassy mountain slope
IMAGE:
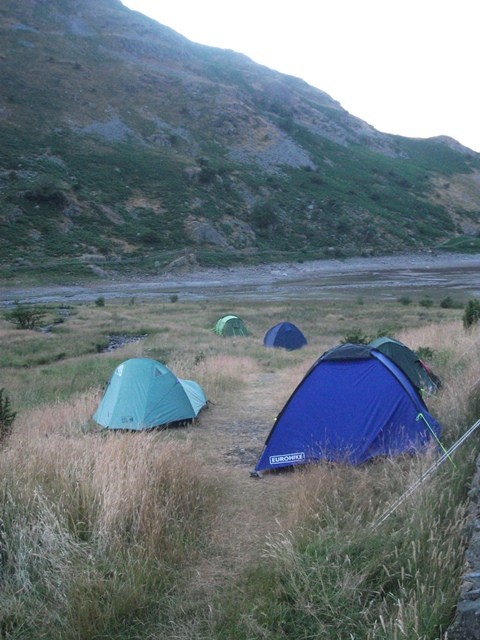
(124, 144)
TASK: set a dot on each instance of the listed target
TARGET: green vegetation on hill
(122, 139)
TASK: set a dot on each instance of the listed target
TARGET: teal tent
(230, 326)
(143, 394)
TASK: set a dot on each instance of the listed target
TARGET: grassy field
(165, 535)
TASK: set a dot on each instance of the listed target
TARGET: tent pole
(424, 476)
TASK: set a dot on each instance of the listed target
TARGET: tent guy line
(421, 416)
(424, 476)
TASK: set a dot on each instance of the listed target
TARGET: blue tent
(143, 393)
(353, 404)
(286, 335)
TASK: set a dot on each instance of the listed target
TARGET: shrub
(207, 175)
(47, 190)
(426, 302)
(263, 215)
(151, 237)
(405, 300)
(7, 416)
(447, 303)
(471, 314)
(25, 316)
(424, 353)
(100, 301)
(355, 336)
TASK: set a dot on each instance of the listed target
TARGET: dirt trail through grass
(251, 508)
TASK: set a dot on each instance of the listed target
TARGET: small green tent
(143, 393)
(230, 326)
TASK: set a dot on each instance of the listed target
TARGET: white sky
(408, 67)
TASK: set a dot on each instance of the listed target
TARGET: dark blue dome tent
(353, 404)
(286, 335)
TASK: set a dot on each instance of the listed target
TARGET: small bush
(174, 297)
(471, 314)
(100, 301)
(447, 303)
(25, 316)
(426, 302)
(151, 237)
(47, 190)
(424, 353)
(355, 336)
(383, 333)
(263, 215)
(206, 176)
(405, 300)
(7, 416)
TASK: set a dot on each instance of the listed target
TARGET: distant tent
(143, 394)
(230, 326)
(286, 335)
(409, 363)
(353, 404)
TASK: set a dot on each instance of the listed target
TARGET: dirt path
(251, 508)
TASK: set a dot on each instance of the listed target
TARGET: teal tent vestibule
(143, 394)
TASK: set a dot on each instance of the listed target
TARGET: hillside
(125, 146)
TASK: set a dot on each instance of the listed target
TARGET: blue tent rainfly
(286, 335)
(353, 404)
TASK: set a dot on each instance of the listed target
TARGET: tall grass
(333, 572)
(456, 359)
(98, 530)
(106, 535)
(343, 577)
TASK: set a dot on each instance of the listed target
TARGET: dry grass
(165, 535)
(220, 374)
(124, 484)
(457, 361)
